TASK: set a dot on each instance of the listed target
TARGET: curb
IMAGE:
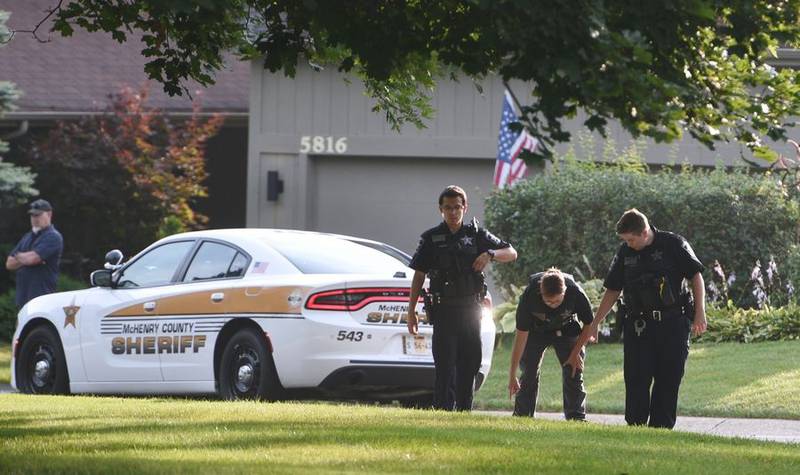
(773, 430)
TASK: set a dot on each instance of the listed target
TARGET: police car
(244, 313)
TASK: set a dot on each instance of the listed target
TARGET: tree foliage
(656, 67)
(16, 183)
(122, 178)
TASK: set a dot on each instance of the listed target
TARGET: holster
(687, 306)
(622, 310)
(427, 298)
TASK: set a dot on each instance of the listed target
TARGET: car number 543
(351, 336)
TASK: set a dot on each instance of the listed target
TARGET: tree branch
(35, 29)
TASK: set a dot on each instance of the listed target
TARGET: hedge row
(565, 217)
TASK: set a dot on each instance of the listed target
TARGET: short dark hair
(453, 191)
(552, 283)
(632, 221)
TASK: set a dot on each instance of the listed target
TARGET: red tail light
(355, 299)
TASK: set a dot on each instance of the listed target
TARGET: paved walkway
(762, 429)
(776, 430)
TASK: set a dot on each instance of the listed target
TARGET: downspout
(21, 130)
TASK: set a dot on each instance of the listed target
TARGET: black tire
(246, 369)
(41, 367)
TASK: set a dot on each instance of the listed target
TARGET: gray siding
(380, 165)
(322, 103)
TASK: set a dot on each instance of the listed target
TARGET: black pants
(456, 355)
(573, 392)
(655, 355)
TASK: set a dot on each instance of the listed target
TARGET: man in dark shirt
(454, 255)
(36, 256)
(651, 269)
(548, 314)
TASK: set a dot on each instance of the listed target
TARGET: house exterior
(343, 170)
(67, 78)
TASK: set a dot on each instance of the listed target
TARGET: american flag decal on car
(260, 267)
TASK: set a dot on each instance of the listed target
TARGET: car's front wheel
(41, 367)
(246, 369)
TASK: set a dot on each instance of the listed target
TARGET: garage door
(390, 199)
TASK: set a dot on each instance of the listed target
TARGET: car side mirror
(113, 259)
(101, 278)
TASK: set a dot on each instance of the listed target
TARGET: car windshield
(319, 254)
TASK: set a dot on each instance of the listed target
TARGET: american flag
(509, 167)
(260, 267)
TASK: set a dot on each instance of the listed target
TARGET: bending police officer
(454, 255)
(548, 314)
(650, 269)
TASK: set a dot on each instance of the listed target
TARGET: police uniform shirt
(33, 281)
(534, 315)
(440, 238)
(669, 254)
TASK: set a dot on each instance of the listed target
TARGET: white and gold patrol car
(245, 313)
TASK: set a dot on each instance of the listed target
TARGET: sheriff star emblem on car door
(70, 312)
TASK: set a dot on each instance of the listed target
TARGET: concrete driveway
(776, 430)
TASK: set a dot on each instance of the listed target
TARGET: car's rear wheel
(41, 367)
(246, 369)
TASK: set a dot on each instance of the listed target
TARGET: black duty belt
(658, 315)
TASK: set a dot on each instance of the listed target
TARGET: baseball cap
(39, 206)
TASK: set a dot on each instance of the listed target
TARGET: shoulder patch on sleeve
(688, 248)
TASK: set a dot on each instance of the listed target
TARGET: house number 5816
(320, 144)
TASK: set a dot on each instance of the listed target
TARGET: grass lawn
(139, 435)
(726, 379)
(5, 362)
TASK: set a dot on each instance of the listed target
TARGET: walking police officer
(548, 314)
(454, 255)
(650, 270)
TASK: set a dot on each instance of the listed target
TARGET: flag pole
(513, 96)
(519, 108)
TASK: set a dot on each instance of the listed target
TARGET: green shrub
(8, 316)
(557, 218)
(505, 314)
(67, 283)
(752, 325)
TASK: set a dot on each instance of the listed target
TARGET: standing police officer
(650, 270)
(454, 255)
(547, 315)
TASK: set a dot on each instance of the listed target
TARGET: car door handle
(149, 306)
(217, 297)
